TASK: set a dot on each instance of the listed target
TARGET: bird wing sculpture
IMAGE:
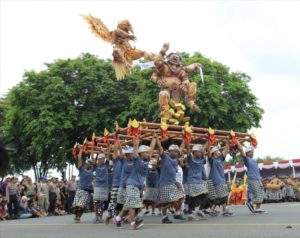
(98, 28)
(123, 52)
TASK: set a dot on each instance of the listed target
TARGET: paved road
(243, 224)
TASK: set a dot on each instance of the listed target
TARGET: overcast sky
(259, 38)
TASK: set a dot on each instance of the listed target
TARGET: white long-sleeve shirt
(179, 174)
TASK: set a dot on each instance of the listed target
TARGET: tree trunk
(40, 171)
(44, 169)
(35, 172)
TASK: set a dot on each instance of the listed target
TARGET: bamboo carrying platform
(175, 133)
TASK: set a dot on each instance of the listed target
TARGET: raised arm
(79, 159)
(152, 146)
(159, 59)
(116, 148)
(160, 148)
(209, 153)
(240, 148)
(192, 67)
(188, 148)
(181, 148)
(164, 49)
(226, 149)
(120, 150)
(205, 147)
(92, 155)
(182, 161)
(136, 143)
(159, 63)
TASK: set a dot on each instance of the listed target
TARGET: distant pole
(294, 172)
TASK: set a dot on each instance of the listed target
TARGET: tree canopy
(52, 109)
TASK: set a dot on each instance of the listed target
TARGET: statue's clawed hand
(198, 65)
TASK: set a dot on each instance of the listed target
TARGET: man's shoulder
(165, 155)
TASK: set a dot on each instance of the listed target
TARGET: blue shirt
(23, 210)
(168, 170)
(217, 170)
(101, 175)
(85, 178)
(110, 179)
(138, 174)
(126, 171)
(195, 168)
(152, 179)
(117, 165)
(252, 169)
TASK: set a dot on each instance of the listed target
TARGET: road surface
(282, 220)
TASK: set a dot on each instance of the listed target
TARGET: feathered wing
(98, 28)
(121, 65)
(121, 70)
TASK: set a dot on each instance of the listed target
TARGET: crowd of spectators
(46, 197)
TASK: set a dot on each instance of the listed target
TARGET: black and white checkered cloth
(81, 199)
(257, 190)
(100, 194)
(197, 189)
(211, 190)
(170, 193)
(121, 197)
(221, 190)
(114, 194)
(133, 198)
(151, 194)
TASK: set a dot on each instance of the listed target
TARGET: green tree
(237, 159)
(4, 156)
(50, 110)
(269, 158)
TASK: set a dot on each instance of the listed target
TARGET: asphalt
(282, 220)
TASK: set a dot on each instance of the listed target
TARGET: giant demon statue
(172, 75)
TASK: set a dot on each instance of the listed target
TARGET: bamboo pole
(195, 129)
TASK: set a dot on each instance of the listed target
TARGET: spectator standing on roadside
(43, 194)
(71, 190)
(12, 194)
